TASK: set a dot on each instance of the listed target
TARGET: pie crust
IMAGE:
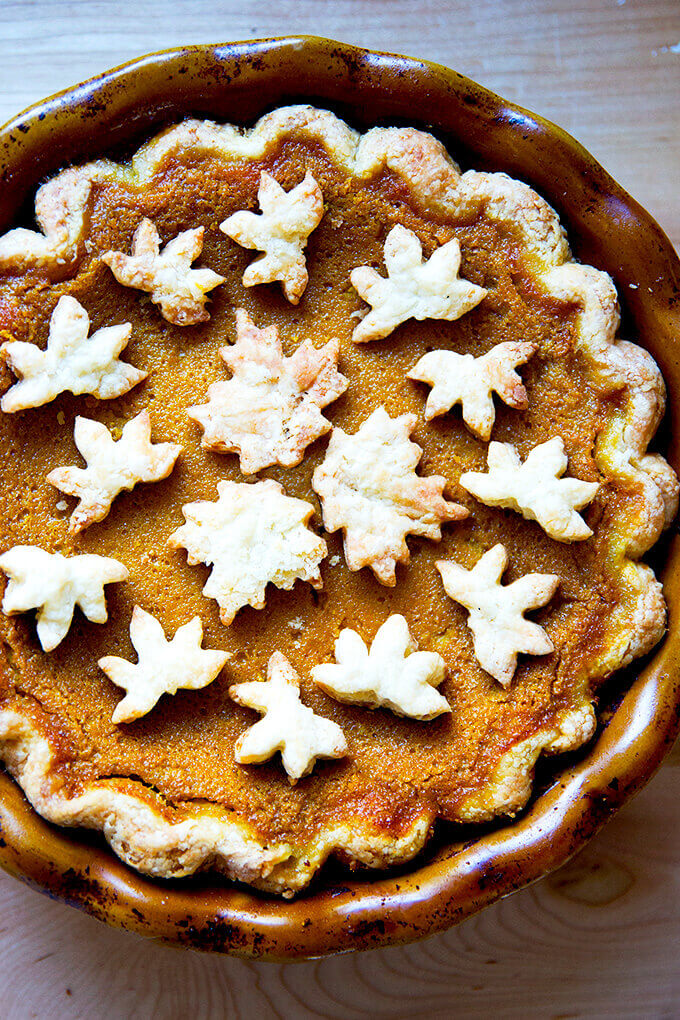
(167, 838)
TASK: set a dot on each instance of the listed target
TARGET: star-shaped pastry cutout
(394, 674)
(178, 290)
(252, 535)
(497, 611)
(464, 379)
(288, 726)
(111, 466)
(163, 666)
(280, 231)
(270, 410)
(413, 289)
(72, 361)
(54, 585)
(535, 488)
(369, 487)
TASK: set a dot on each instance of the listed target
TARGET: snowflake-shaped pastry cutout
(54, 585)
(413, 289)
(288, 726)
(535, 488)
(251, 536)
(72, 361)
(280, 230)
(464, 379)
(497, 611)
(270, 410)
(368, 487)
(179, 291)
(393, 674)
(163, 666)
(111, 466)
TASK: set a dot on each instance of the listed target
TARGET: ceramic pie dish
(253, 60)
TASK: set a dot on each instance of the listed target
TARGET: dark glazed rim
(238, 82)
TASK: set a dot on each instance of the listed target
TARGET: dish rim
(455, 880)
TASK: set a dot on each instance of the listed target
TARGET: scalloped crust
(207, 836)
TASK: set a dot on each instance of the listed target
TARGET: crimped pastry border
(209, 837)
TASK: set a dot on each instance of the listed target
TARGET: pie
(325, 492)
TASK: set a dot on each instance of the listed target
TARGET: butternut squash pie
(325, 488)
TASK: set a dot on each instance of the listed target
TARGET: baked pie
(326, 486)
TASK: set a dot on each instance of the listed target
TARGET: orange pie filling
(182, 751)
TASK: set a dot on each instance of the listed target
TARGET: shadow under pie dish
(466, 277)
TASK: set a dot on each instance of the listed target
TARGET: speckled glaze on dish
(461, 870)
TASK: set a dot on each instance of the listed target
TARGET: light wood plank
(601, 937)
(597, 939)
(606, 71)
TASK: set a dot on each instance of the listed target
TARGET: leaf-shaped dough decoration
(280, 230)
(369, 488)
(464, 379)
(288, 726)
(252, 535)
(54, 585)
(270, 410)
(497, 611)
(72, 361)
(413, 289)
(112, 466)
(178, 290)
(163, 666)
(535, 488)
(393, 674)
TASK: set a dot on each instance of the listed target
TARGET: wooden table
(602, 936)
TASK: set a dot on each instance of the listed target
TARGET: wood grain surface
(601, 937)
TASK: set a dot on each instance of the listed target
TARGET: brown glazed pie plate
(462, 870)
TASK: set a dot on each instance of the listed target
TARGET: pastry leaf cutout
(413, 289)
(464, 379)
(280, 230)
(535, 488)
(72, 361)
(393, 674)
(163, 666)
(54, 585)
(252, 535)
(178, 290)
(496, 611)
(270, 409)
(288, 726)
(369, 488)
(112, 466)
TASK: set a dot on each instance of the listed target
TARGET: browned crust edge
(207, 836)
